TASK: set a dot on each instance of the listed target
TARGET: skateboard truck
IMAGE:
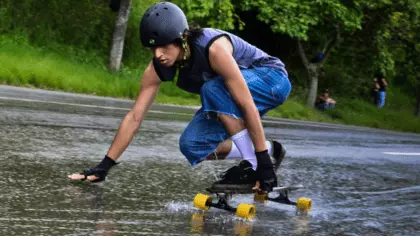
(223, 203)
(204, 202)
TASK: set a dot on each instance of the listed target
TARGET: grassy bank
(67, 69)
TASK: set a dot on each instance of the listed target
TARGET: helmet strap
(184, 59)
(184, 46)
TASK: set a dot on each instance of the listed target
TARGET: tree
(408, 68)
(317, 26)
(218, 13)
(404, 42)
(118, 37)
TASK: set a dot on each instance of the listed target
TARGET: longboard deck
(247, 189)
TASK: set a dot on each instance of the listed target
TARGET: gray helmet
(162, 23)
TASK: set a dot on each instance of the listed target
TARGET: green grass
(71, 70)
(392, 116)
(23, 65)
(295, 109)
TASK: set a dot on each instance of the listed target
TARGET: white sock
(235, 153)
(245, 146)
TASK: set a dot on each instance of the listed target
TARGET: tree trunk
(312, 76)
(313, 85)
(118, 37)
(417, 113)
(313, 68)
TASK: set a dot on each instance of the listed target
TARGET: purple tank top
(246, 55)
(198, 71)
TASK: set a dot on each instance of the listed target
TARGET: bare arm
(223, 63)
(384, 83)
(322, 99)
(131, 123)
(330, 100)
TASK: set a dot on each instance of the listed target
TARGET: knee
(210, 88)
(185, 142)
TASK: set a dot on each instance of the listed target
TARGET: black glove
(265, 171)
(100, 170)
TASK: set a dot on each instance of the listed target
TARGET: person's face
(167, 54)
(325, 94)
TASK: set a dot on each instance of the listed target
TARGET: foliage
(405, 44)
(297, 17)
(217, 14)
(376, 35)
(74, 24)
(87, 25)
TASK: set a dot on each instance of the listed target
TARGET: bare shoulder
(222, 44)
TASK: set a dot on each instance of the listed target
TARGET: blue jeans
(381, 99)
(324, 106)
(269, 88)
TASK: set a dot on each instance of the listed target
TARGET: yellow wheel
(246, 211)
(197, 222)
(197, 217)
(260, 198)
(202, 201)
(304, 204)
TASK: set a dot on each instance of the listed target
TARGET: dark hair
(379, 75)
(193, 32)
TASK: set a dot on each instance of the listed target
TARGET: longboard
(248, 211)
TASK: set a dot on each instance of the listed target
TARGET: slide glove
(265, 171)
(100, 170)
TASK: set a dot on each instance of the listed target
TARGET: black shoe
(241, 176)
(278, 154)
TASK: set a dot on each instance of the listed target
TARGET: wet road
(362, 181)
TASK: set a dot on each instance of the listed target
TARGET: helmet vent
(165, 8)
(157, 14)
(148, 14)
